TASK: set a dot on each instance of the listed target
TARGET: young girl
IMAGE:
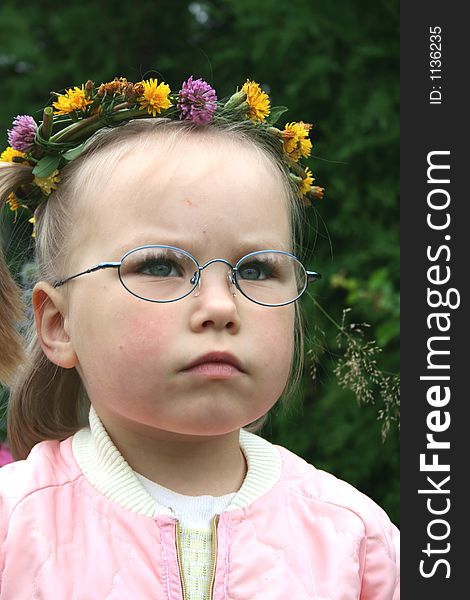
(166, 307)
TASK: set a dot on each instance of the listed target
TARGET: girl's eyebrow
(152, 241)
(246, 247)
(240, 249)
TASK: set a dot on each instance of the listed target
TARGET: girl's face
(214, 198)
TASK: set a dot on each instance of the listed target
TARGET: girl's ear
(51, 325)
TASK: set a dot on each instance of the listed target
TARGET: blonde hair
(47, 401)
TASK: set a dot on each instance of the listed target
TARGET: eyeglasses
(159, 273)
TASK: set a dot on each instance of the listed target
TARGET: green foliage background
(334, 64)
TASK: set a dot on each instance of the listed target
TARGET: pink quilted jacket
(76, 524)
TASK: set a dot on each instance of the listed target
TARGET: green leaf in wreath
(74, 153)
(47, 165)
(276, 112)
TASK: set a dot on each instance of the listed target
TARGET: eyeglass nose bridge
(196, 278)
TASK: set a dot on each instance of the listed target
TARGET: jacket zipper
(214, 523)
(180, 560)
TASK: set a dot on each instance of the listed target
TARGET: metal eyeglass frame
(312, 276)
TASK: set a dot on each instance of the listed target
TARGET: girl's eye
(256, 270)
(159, 267)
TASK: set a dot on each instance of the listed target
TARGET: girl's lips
(217, 360)
(214, 370)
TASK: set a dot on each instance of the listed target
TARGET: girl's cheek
(278, 325)
(148, 329)
(137, 344)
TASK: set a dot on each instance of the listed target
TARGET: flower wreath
(78, 113)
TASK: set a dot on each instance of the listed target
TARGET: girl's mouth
(214, 370)
(216, 362)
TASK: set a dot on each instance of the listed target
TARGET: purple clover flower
(21, 135)
(197, 101)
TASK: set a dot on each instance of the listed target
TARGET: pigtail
(10, 315)
(12, 175)
(44, 403)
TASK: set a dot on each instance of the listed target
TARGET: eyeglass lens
(165, 274)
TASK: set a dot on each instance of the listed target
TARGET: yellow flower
(33, 221)
(258, 101)
(73, 99)
(8, 154)
(296, 141)
(49, 183)
(13, 202)
(306, 183)
(154, 97)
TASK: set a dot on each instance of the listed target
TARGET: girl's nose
(215, 301)
(228, 282)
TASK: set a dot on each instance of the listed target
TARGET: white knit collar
(107, 470)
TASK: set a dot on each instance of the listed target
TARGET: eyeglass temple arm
(313, 276)
(110, 265)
